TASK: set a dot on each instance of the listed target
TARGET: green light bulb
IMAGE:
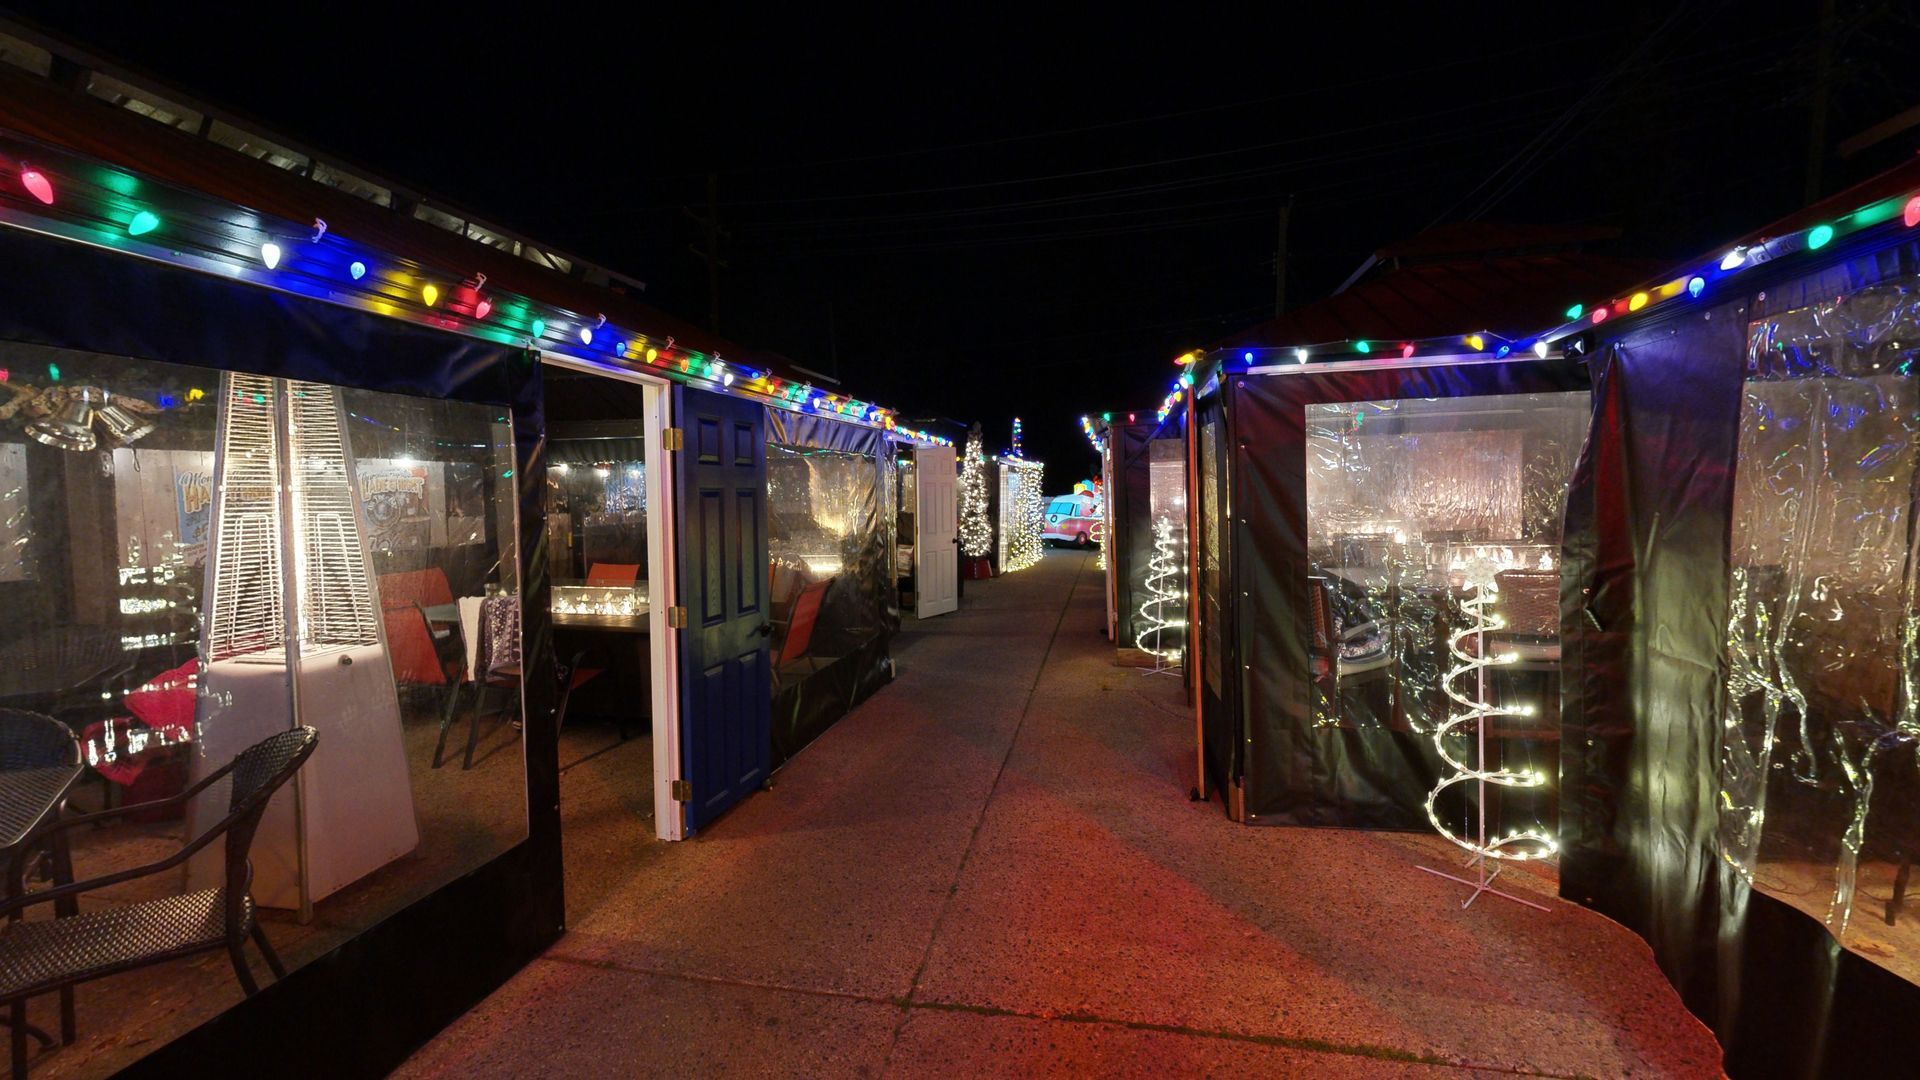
(1363, 346)
(1819, 236)
(143, 223)
(1576, 311)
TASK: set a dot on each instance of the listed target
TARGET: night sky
(969, 216)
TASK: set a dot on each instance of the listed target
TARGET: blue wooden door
(725, 677)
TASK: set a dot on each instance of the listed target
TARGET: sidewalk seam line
(1290, 1042)
(980, 820)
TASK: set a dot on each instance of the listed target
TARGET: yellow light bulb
(430, 295)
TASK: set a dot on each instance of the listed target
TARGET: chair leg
(64, 908)
(446, 721)
(17, 1013)
(473, 724)
(1899, 898)
(237, 952)
(266, 950)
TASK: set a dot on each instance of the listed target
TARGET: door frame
(663, 653)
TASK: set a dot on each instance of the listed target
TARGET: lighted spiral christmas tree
(1163, 589)
(1471, 708)
(976, 531)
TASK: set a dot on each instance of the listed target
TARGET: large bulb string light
(169, 226)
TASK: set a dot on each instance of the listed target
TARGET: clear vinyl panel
(831, 552)
(1434, 530)
(597, 533)
(1820, 782)
(197, 561)
(1158, 559)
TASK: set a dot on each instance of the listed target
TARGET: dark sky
(975, 215)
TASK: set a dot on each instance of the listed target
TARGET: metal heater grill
(337, 605)
(245, 612)
(331, 578)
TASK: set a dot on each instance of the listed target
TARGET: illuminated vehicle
(1076, 519)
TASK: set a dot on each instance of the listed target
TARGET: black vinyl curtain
(1706, 578)
(1296, 771)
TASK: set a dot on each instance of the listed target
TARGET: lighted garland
(1163, 588)
(976, 529)
(1517, 846)
(1093, 434)
(1580, 317)
(1029, 517)
(85, 200)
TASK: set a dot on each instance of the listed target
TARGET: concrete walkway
(992, 868)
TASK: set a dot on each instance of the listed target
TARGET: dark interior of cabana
(1367, 506)
(596, 557)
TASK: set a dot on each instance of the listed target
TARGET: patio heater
(292, 635)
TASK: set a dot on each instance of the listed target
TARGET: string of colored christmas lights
(1093, 434)
(76, 198)
(1692, 285)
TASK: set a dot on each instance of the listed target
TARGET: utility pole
(1817, 101)
(711, 254)
(1280, 260)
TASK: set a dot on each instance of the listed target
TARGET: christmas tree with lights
(976, 531)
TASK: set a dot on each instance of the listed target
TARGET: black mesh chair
(44, 955)
(39, 762)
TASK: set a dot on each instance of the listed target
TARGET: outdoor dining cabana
(1741, 630)
(275, 456)
(1386, 454)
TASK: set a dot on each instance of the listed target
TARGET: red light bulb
(1912, 213)
(1406, 351)
(1600, 315)
(37, 185)
(481, 307)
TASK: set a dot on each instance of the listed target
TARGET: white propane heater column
(293, 635)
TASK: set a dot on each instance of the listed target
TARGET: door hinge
(682, 790)
(677, 617)
(673, 438)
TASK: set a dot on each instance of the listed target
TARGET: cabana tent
(1144, 463)
(1384, 454)
(182, 315)
(1742, 635)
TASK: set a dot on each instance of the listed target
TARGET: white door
(936, 577)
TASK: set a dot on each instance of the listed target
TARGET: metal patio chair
(44, 955)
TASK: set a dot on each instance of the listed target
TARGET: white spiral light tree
(1163, 589)
(1472, 707)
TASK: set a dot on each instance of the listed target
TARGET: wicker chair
(44, 955)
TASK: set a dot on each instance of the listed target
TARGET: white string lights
(976, 530)
(1163, 588)
(1473, 707)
